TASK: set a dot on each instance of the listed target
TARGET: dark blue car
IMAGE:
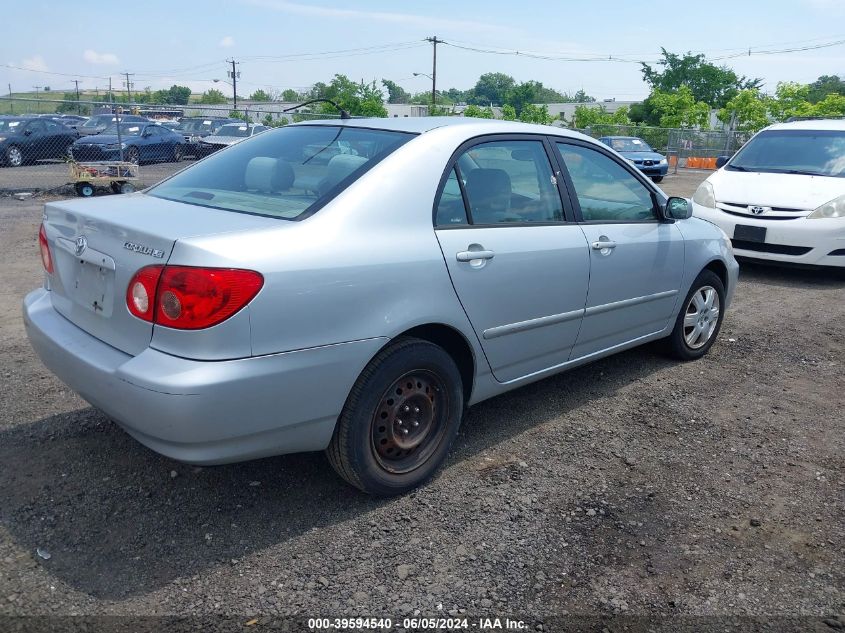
(140, 142)
(638, 152)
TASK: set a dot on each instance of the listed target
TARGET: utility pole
(234, 74)
(37, 88)
(78, 107)
(434, 41)
(111, 94)
(129, 86)
(11, 105)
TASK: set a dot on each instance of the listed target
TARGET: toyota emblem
(81, 245)
(757, 210)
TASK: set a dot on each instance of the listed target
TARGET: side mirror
(677, 209)
(721, 160)
(147, 134)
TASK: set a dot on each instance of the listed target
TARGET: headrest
(268, 174)
(489, 194)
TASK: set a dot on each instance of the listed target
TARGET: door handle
(468, 256)
(602, 244)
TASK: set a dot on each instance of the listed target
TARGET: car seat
(268, 175)
(489, 193)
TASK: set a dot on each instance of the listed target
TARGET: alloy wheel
(701, 317)
(14, 156)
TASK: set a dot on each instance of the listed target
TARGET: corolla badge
(144, 250)
(80, 245)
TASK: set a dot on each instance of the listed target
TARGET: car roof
(810, 124)
(623, 137)
(420, 125)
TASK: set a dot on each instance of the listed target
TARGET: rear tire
(699, 319)
(399, 420)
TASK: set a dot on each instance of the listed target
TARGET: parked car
(227, 135)
(196, 128)
(640, 154)
(235, 311)
(99, 122)
(781, 198)
(72, 121)
(27, 138)
(140, 142)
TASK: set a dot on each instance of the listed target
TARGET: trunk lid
(98, 245)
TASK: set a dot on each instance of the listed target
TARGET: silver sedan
(352, 286)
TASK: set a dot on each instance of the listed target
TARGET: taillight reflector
(46, 258)
(190, 298)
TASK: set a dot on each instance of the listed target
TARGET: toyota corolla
(264, 301)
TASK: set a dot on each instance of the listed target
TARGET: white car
(782, 196)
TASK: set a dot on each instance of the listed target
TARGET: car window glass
(36, 127)
(450, 207)
(52, 127)
(607, 192)
(510, 181)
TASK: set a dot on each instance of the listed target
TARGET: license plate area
(747, 233)
(93, 287)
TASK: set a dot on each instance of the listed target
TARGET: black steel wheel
(399, 420)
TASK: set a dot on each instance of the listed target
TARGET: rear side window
(285, 173)
(504, 182)
(451, 210)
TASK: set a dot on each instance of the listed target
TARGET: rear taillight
(190, 298)
(140, 295)
(46, 258)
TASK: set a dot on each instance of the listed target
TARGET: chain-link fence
(684, 148)
(46, 144)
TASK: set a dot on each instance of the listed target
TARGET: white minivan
(782, 196)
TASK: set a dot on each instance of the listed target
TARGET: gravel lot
(634, 485)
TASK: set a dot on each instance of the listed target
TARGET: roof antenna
(343, 113)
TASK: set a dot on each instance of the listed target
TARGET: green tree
(70, 104)
(791, 99)
(747, 111)
(359, 99)
(714, 85)
(824, 86)
(590, 116)
(476, 112)
(679, 108)
(491, 88)
(260, 95)
(581, 97)
(395, 92)
(212, 97)
(532, 113)
(508, 112)
(833, 105)
(291, 96)
(269, 121)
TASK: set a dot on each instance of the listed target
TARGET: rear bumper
(203, 412)
(797, 241)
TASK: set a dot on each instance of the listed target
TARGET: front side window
(509, 182)
(810, 152)
(284, 173)
(606, 191)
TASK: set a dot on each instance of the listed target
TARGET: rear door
(637, 261)
(519, 265)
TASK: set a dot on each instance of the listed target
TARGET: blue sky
(186, 43)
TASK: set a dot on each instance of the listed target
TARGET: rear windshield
(284, 173)
(810, 152)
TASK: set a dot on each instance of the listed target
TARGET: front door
(519, 267)
(636, 260)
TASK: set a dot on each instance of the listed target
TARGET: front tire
(84, 189)
(700, 318)
(132, 155)
(399, 420)
(14, 156)
(176, 156)
(657, 178)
